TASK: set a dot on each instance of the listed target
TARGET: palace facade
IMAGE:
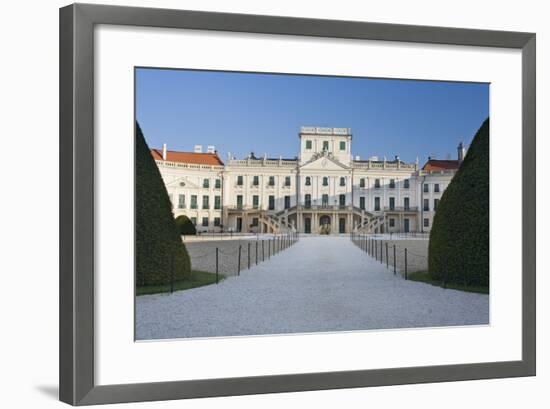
(323, 190)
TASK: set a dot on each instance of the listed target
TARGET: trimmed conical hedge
(459, 239)
(158, 242)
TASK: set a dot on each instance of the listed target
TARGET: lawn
(198, 279)
(424, 277)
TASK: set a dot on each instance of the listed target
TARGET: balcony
(309, 206)
(401, 209)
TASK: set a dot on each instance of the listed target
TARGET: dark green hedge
(157, 238)
(459, 240)
(185, 225)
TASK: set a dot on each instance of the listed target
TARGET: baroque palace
(323, 190)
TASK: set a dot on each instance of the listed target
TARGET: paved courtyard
(318, 284)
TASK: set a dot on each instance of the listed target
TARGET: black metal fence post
(249, 255)
(217, 279)
(381, 252)
(256, 252)
(263, 255)
(171, 273)
(394, 261)
(387, 259)
(406, 264)
(239, 262)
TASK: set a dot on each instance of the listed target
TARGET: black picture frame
(77, 386)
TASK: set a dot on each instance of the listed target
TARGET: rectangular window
(255, 201)
(239, 180)
(392, 203)
(217, 202)
(325, 145)
(392, 222)
(256, 180)
(342, 200)
(308, 144)
(406, 203)
(436, 188)
(193, 201)
(206, 183)
(240, 201)
(272, 181)
(362, 202)
(308, 200)
(436, 202)
(218, 184)
(324, 200)
(255, 221)
(426, 205)
(406, 184)
(206, 202)
(287, 202)
(308, 181)
(377, 183)
(217, 221)
(271, 202)
(194, 220)
(377, 204)
(342, 181)
(181, 201)
(392, 183)
(426, 188)
(426, 222)
(287, 180)
(205, 222)
(362, 182)
(342, 145)
(325, 181)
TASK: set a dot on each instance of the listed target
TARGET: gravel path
(318, 284)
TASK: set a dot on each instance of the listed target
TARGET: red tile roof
(438, 165)
(211, 159)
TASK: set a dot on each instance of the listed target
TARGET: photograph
(278, 203)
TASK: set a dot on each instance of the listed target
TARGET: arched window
(325, 181)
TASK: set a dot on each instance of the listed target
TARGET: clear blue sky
(241, 112)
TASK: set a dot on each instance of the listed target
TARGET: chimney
(461, 152)
(198, 149)
(211, 149)
(163, 151)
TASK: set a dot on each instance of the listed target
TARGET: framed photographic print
(254, 204)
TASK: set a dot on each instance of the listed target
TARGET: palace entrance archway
(324, 224)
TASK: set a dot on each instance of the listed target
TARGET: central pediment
(325, 163)
(183, 182)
